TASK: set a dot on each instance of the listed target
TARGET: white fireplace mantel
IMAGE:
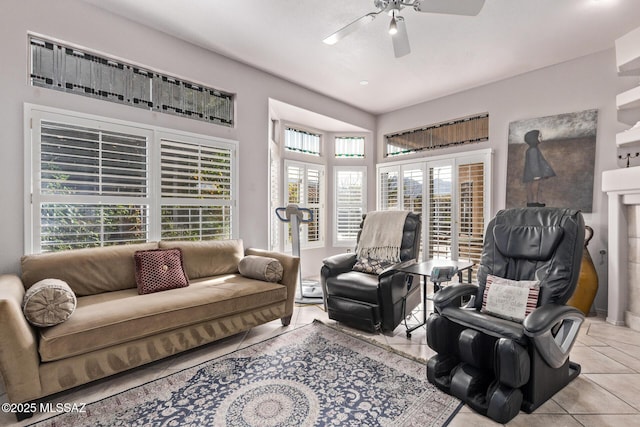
(623, 188)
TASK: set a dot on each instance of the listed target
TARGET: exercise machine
(309, 291)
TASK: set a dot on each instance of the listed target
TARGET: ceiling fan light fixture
(393, 27)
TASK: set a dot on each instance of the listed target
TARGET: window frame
(336, 169)
(34, 114)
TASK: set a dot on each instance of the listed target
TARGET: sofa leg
(286, 321)
(21, 416)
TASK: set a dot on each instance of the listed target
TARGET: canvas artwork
(551, 161)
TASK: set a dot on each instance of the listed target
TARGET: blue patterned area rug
(315, 375)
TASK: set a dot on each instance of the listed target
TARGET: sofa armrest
(290, 266)
(19, 360)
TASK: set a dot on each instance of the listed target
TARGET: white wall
(585, 83)
(81, 24)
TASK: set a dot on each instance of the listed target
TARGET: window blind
(388, 189)
(195, 178)
(439, 212)
(471, 203)
(92, 185)
(195, 171)
(305, 187)
(350, 204)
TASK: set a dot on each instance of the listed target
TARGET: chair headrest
(532, 242)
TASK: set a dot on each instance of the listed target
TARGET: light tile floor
(607, 392)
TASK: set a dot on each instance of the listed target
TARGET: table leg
(423, 283)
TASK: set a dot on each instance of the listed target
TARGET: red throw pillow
(159, 270)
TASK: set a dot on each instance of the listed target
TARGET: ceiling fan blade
(350, 28)
(451, 7)
(400, 39)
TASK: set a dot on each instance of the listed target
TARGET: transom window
(96, 182)
(466, 130)
(301, 141)
(69, 69)
(349, 147)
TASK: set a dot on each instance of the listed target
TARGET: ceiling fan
(397, 28)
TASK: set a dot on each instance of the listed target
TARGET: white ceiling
(449, 53)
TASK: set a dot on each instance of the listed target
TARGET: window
(304, 186)
(91, 183)
(350, 192)
(451, 192)
(349, 147)
(301, 141)
(69, 69)
(196, 190)
(461, 131)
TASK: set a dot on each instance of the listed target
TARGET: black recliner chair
(499, 366)
(368, 301)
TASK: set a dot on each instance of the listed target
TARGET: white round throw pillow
(48, 303)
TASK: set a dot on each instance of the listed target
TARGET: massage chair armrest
(452, 295)
(553, 329)
(340, 263)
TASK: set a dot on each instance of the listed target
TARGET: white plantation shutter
(313, 183)
(91, 186)
(412, 188)
(388, 187)
(196, 191)
(350, 203)
(304, 186)
(452, 193)
(274, 200)
(85, 161)
(98, 182)
(471, 215)
(439, 212)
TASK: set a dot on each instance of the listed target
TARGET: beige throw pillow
(48, 303)
(261, 268)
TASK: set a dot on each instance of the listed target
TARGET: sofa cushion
(159, 270)
(261, 268)
(208, 258)
(87, 271)
(112, 318)
(48, 303)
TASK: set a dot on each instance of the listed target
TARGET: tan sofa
(114, 328)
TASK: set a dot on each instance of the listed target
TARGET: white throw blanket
(381, 235)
